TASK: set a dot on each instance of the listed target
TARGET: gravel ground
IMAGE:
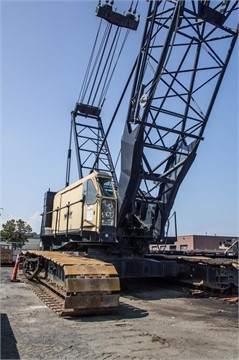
(152, 322)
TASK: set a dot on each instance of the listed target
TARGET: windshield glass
(106, 187)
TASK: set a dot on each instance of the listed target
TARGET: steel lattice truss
(185, 50)
(91, 148)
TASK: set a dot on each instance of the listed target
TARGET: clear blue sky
(45, 48)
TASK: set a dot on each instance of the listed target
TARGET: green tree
(16, 231)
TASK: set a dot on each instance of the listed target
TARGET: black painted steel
(185, 51)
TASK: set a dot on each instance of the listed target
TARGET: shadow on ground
(153, 289)
(137, 289)
(8, 341)
(124, 311)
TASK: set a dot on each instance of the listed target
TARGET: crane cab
(85, 211)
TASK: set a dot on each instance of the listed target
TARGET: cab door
(91, 205)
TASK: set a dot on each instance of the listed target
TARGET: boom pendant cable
(81, 96)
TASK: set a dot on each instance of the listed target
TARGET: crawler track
(54, 301)
(71, 285)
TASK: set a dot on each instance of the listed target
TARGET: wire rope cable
(82, 91)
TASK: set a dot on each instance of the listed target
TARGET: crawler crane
(185, 50)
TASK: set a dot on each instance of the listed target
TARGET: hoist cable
(130, 8)
(136, 6)
(117, 160)
(106, 86)
(89, 63)
(100, 61)
(96, 58)
(108, 76)
(92, 82)
(95, 61)
(113, 45)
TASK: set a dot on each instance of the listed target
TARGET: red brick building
(195, 242)
(203, 242)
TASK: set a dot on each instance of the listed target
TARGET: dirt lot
(151, 323)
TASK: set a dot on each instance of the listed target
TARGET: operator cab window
(106, 187)
(90, 193)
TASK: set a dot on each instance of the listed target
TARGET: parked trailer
(8, 254)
